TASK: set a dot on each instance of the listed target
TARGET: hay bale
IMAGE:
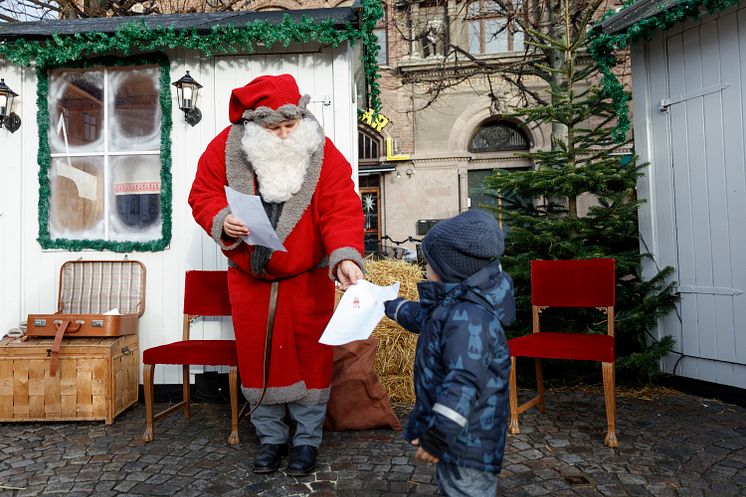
(396, 346)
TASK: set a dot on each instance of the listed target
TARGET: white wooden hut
(121, 128)
(688, 84)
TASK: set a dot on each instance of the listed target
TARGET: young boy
(462, 361)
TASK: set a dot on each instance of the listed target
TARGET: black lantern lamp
(187, 89)
(7, 118)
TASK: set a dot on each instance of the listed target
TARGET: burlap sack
(357, 400)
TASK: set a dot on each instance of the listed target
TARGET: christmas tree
(579, 202)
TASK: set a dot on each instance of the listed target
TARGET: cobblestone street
(675, 445)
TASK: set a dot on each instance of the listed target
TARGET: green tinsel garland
(45, 160)
(603, 46)
(136, 37)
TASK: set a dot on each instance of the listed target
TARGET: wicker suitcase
(97, 379)
(96, 299)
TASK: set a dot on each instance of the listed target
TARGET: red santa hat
(268, 100)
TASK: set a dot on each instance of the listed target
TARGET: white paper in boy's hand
(248, 208)
(358, 312)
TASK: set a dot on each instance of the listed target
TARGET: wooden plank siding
(696, 187)
(30, 275)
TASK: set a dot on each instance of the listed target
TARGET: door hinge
(668, 102)
(709, 290)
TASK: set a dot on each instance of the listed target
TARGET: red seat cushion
(203, 352)
(552, 345)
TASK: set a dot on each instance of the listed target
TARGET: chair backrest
(206, 293)
(573, 283)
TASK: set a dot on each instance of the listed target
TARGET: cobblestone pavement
(672, 446)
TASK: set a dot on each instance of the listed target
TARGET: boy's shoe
(302, 460)
(269, 458)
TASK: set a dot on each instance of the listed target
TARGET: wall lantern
(187, 89)
(8, 118)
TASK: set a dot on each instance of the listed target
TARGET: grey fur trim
(217, 229)
(240, 176)
(341, 254)
(297, 393)
(265, 116)
(238, 169)
(315, 396)
(232, 264)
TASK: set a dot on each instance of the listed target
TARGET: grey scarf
(260, 256)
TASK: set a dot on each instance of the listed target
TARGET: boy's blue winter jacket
(462, 366)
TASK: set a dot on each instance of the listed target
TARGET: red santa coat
(320, 226)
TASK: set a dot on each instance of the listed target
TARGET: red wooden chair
(205, 294)
(568, 283)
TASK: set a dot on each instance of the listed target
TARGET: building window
(491, 30)
(369, 146)
(383, 57)
(104, 176)
(371, 199)
(498, 136)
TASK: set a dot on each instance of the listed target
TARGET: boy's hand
(422, 454)
(390, 307)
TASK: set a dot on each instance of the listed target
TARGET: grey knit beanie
(460, 246)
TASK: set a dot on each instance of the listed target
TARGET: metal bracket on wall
(709, 290)
(325, 100)
(668, 102)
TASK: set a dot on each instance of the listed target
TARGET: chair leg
(513, 427)
(610, 398)
(185, 390)
(539, 384)
(147, 381)
(233, 439)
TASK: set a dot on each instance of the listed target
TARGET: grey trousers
(269, 422)
(458, 481)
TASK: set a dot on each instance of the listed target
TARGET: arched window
(498, 136)
(370, 146)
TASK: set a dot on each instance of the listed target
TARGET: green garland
(137, 37)
(603, 47)
(45, 160)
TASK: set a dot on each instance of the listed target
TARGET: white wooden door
(706, 81)
(313, 70)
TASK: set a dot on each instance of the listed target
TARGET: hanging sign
(378, 121)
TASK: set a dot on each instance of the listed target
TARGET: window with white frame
(104, 175)
(492, 28)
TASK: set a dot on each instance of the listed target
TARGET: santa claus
(281, 301)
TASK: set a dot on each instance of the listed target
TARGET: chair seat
(202, 352)
(554, 345)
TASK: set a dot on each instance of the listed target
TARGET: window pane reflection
(136, 199)
(76, 197)
(76, 110)
(135, 109)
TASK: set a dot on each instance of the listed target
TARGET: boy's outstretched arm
(405, 312)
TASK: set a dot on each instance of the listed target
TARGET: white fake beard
(281, 164)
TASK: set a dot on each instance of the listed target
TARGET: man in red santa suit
(276, 149)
